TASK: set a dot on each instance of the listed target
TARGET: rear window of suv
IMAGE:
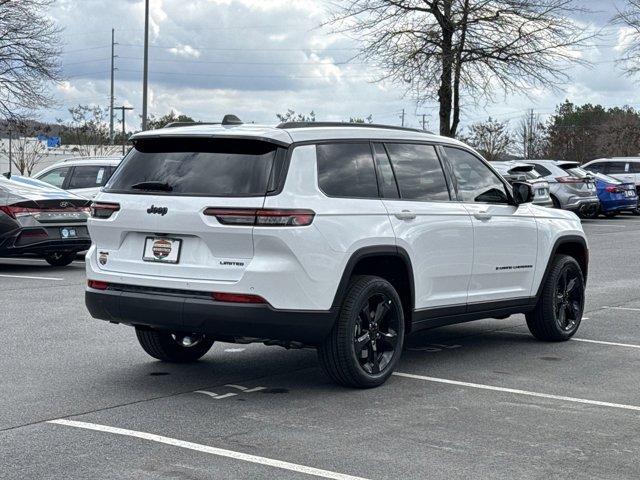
(197, 167)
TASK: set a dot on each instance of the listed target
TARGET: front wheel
(60, 259)
(558, 313)
(366, 341)
(173, 347)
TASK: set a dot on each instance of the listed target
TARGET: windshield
(196, 167)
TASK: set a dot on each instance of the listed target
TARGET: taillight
(266, 217)
(34, 233)
(612, 189)
(97, 284)
(569, 180)
(237, 298)
(15, 212)
(103, 210)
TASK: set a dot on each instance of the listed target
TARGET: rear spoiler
(565, 165)
(521, 169)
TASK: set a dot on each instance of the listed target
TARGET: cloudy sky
(256, 58)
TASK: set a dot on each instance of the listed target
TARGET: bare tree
(26, 150)
(444, 49)
(88, 131)
(630, 18)
(29, 52)
(491, 138)
(530, 137)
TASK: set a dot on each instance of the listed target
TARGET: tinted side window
(55, 177)
(541, 170)
(387, 177)
(616, 167)
(88, 176)
(346, 170)
(634, 167)
(474, 181)
(418, 171)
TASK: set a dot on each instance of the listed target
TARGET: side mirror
(522, 193)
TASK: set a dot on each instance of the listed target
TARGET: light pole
(145, 71)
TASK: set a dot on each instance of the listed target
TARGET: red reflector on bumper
(97, 285)
(237, 298)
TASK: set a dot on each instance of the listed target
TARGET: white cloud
(185, 51)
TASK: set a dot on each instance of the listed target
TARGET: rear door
(436, 232)
(505, 236)
(164, 188)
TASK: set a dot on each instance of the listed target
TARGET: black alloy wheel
(365, 343)
(558, 312)
(376, 333)
(569, 298)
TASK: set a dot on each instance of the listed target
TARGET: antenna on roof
(231, 120)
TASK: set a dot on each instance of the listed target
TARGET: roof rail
(89, 157)
(291, 125)
(188, 124)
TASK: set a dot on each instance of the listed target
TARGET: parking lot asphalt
(80, 399)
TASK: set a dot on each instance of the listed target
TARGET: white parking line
(586, 340)
(207, 449)
(623, 308)
(33, 278)
(37, 260)
(215, 395)
(518, 392)
(600, 342)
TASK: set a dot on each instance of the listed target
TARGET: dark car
(42, 220)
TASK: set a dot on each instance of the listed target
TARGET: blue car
(614, 195)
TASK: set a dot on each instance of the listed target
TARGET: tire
(590, 213)
(350, 355)
(558, 313)
(636, 211)
(60, 259)
(166, 346)
(556, 202)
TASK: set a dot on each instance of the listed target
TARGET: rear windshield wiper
(153, 186)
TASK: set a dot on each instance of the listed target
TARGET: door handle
(405, 215)
(483, 215)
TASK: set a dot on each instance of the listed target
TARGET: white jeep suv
(341, 237)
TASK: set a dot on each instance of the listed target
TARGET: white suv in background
(84, 176)
(341, 237)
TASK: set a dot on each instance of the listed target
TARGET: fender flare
(375, 251)
(554, 250)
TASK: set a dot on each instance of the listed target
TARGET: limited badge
(104, 256)
(161, 249)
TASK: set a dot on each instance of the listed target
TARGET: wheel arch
(573, 245)
(386, 261)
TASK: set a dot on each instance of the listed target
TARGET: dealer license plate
(162, 249)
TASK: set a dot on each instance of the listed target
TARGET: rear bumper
(18, 242)
(196, 312)
(578, 204)
(617, 205)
